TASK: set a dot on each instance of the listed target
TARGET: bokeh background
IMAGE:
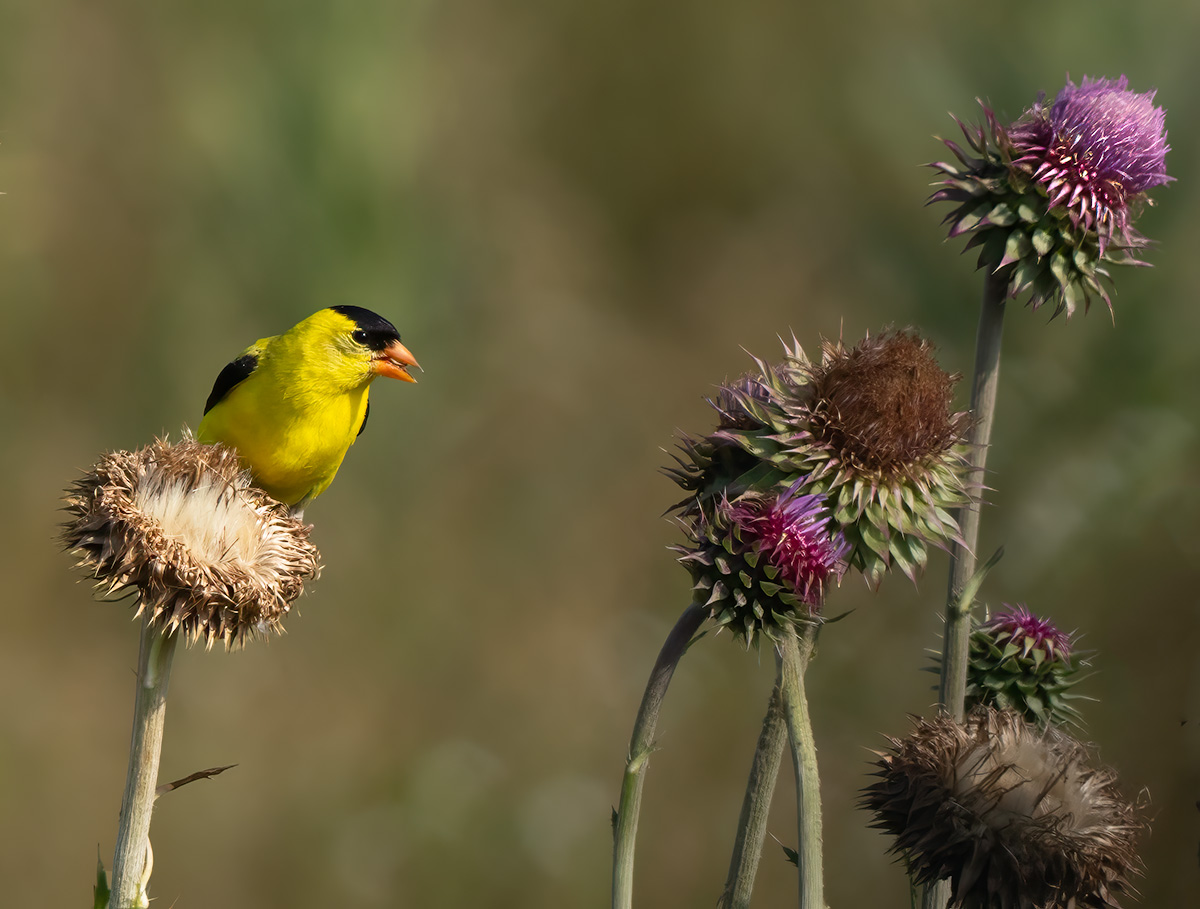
(579, 214)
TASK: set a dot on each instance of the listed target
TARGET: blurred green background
(578, 215)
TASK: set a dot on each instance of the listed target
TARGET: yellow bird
(292, 405)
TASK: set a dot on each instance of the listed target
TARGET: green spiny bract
(870, 427)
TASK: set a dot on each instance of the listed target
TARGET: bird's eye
(359, 335)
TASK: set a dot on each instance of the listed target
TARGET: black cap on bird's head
(389, 357)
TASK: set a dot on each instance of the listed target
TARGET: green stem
(956, 641)
(641, 746)
(756, 806)
(956, 638)
(795, 651)
(149, 711)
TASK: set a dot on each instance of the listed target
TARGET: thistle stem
(986, 380)
(641, 746)
(149, 712)
(795, 652)
(756, 806)
(956, 638)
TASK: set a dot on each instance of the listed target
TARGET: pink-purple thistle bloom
(1022, 627)
(1050, 200)
(1098, 145)
(763, 561)
(793, 533)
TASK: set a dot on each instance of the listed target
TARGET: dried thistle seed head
(206, 553)
(1020, 662)
(884, 406)
(764, 561)
(1051, 199)
(1014, 817)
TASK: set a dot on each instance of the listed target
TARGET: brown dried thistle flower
(884, 405)
(181, 525)
(1015, 817)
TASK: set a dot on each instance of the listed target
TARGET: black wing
(230, 376)
(366, 413)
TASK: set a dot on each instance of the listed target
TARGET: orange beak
(393, 361)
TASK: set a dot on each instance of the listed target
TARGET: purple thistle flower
(1098, 145)
(1050, 200)
(793, 533)
(1019, 625)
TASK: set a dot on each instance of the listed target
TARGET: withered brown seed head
(206, 553)
(885, 404)
(1015, 817)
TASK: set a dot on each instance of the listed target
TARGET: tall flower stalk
(131, 858)
(796, 651)
(756, 804)
(984, 386)
(641, 746)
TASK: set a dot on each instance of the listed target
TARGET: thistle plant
(207, 557)
(1050, 200)
(856, 459)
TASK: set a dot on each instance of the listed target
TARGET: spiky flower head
(763, 562)
(870, 426)
(1015, 817)
(1024, 663)
(1052, 197)
(179, 525)
(1028, 633)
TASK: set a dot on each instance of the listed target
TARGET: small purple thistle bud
(1097, 146)
(792, 531)
(1019, 625)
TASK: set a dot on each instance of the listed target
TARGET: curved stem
(641, 746)
(149, 713)
(795, 651)
(756, 806)
(957, 636)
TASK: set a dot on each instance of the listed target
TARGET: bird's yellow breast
(293, 419)
(293, 451)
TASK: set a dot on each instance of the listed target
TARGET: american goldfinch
(292, 405)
